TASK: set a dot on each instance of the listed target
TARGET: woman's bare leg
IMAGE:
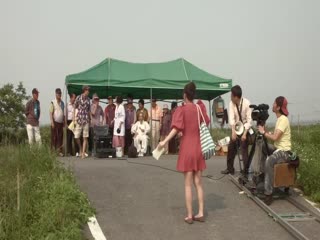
(188, 178)
(197, 179)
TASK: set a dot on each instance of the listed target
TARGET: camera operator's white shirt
(245, 113)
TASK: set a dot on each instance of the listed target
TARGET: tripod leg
(252, 150)
(266, 144)
(238, 153)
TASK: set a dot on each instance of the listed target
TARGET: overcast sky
(269, 47)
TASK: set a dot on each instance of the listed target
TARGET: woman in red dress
(190, 160)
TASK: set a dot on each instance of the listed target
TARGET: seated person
(282, 143)
(140, 130)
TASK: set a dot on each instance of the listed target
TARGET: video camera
(260, 113)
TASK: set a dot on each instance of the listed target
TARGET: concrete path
(144, 202)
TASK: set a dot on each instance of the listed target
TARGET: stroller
(102, 142)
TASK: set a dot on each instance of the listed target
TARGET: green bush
(51, 204)
(306, 142)
(45, 132)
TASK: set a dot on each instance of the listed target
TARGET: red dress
(185, 119)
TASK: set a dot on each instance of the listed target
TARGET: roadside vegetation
(306, 142)
(39, 197)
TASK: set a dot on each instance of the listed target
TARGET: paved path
(136, 201)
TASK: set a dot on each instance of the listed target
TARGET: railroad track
(289, 220)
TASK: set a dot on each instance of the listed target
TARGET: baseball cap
(58, 91)
(284, 106)
(35, 90)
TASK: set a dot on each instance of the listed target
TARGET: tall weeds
(51, 204)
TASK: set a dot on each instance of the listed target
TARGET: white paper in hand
(157, 153)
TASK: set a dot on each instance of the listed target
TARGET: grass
(51, 204)
(306, 143)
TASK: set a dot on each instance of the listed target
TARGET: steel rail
(292, 230)
(304, 208)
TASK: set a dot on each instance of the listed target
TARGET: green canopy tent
(163, 80)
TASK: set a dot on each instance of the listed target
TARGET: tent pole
(151, 117)
(65, 121)
(210, 115)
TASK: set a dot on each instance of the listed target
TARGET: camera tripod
(244, 170)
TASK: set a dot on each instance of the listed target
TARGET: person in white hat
(166, 126)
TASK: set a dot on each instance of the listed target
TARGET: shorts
(117, 141)
(84, 129)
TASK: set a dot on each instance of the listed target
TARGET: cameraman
(282, 143)
(239, 110)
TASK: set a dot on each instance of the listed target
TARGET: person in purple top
(109, 112)
(129, 121)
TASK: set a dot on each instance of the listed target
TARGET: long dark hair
(190, 91)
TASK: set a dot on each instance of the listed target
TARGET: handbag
(207, 144)
(72, 126)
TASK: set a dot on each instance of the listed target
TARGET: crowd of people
(127, 124)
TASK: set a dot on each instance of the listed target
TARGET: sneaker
(268, 199)
(77, 154)
(227, 172)
(140, 155)
(61, 154)
(250, 185)
(86, 154)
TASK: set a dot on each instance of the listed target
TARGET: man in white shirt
(57, 122)
(237, 105)
(140, 130)
(70, 136)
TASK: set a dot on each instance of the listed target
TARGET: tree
(12, 105)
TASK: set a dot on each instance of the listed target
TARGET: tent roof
(167, 80)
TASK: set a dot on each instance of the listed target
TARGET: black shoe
(268, 199)
(227, 172)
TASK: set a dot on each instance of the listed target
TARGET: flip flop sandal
(188, 220)
(198, 219)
